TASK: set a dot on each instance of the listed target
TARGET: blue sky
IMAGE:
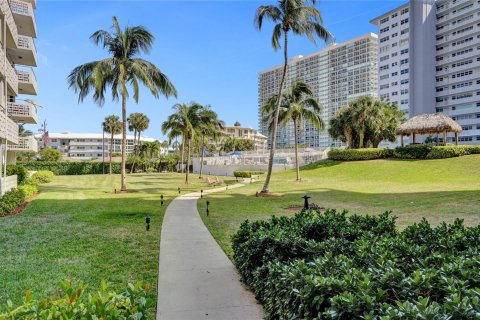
(209, 49)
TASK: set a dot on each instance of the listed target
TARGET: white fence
(7, 184)
(258, 161)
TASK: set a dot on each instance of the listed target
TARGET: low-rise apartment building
(87, 146)
(237, 131)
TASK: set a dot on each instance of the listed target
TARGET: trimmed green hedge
(417, 151)
(71, 168)
(11, 200)
(42, 176)
(246, 174)
(73, 302)
(333, 266)
(29, 190)
(359, 154)
(19, 170)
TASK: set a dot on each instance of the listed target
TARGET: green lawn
(440, 190)
(77, 228)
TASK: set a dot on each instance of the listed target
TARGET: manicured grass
(77, 228)
(439, 190)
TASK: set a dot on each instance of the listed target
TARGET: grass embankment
(77, 228)
(439, 190)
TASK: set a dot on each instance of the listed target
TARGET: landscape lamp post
(161, 200)
(208, 211)
(179, 190)
(201, 193)
(305, 204)
(147, 221)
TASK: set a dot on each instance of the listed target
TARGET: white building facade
(337, 74)
(237, 131)
(429, 61)
(17, 57)
(88, 146)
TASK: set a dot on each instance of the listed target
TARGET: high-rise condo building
(429, 61)
(336, 75)
(17, 57)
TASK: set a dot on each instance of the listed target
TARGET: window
(384, 20)
(384, 39)
(404, 91)
(404, 11)
(404, 51)
(404, 71)
(394, 34)
(404, 81)
(395, 15)
(394, 64)
(384, 30)
(404, 21)
(404, 61)
(394, 83)
(394, 73)
(404, 31)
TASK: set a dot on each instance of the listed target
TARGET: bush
(359, 154)
(442, 152)
(71, 168)
(330, 266)
(42, 176)
(20, 171)
(29, 190)
(471, 149)
(246, 174)
(74, 303)
(10, 201)
(49, 154)
(413, 151)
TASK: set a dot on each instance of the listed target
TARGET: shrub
(442, 152)
(29, 190)
(11, 200)
(413, 151)
(20, 171)
(246, 174)
(74, 302)
(471, 149)
(359, 154)
(43, 176)
(49, 154)
(71, 167)
(330, 266)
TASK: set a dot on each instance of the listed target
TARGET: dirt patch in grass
(21, 207)
(299, 208)
(267, 195)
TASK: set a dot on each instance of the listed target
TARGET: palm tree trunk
(134, 150)
(201, 159)
(188, 162)
(111, 151)
(275, 118)
(296, 148)
(124, 142)
(183, 155)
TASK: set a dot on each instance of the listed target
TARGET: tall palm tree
(187, 119)
(137, 122)
(298, 104)
(152, 151)
(175, 126)
(112, 125)
(302, 18)
(210, 128)
(122, 69)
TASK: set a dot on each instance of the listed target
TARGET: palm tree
(152, 151)
(137, 122)
(302, 18)
(119, 71)
(210, 127)
(175, 126)
(298, 104)
(112, 125)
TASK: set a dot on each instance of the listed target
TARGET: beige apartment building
(17, 81)
(237, 131)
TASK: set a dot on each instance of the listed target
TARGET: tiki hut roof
(428, 124)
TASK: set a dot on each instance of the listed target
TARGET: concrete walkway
(196, 279)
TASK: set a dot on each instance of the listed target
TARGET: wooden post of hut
(402, 139)
(414, 138)
(456, 138)
(444, 137)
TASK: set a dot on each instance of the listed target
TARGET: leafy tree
(27, 156)
(49, 154)
(119, 71)
(231, 144)
(137, 122)
(303, 19)
(299, 104)
(112, 125)
(366, 122)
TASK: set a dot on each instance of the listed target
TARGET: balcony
(10, 132)
(27, 82)
(24, 17)
(12, 32)
(20, 112)
(10, 74)
(25, 144)
(25, 53)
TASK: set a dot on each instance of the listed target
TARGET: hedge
(359, 154)
(73, 302)
(246, 174)
(11, 200)
(42, 176)
(19, 170)
(71, 168)
(417, 151)
(333, 266)
(29, 190)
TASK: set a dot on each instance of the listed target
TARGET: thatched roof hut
(429, 124)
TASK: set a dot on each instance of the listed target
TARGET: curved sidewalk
(196, 279)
